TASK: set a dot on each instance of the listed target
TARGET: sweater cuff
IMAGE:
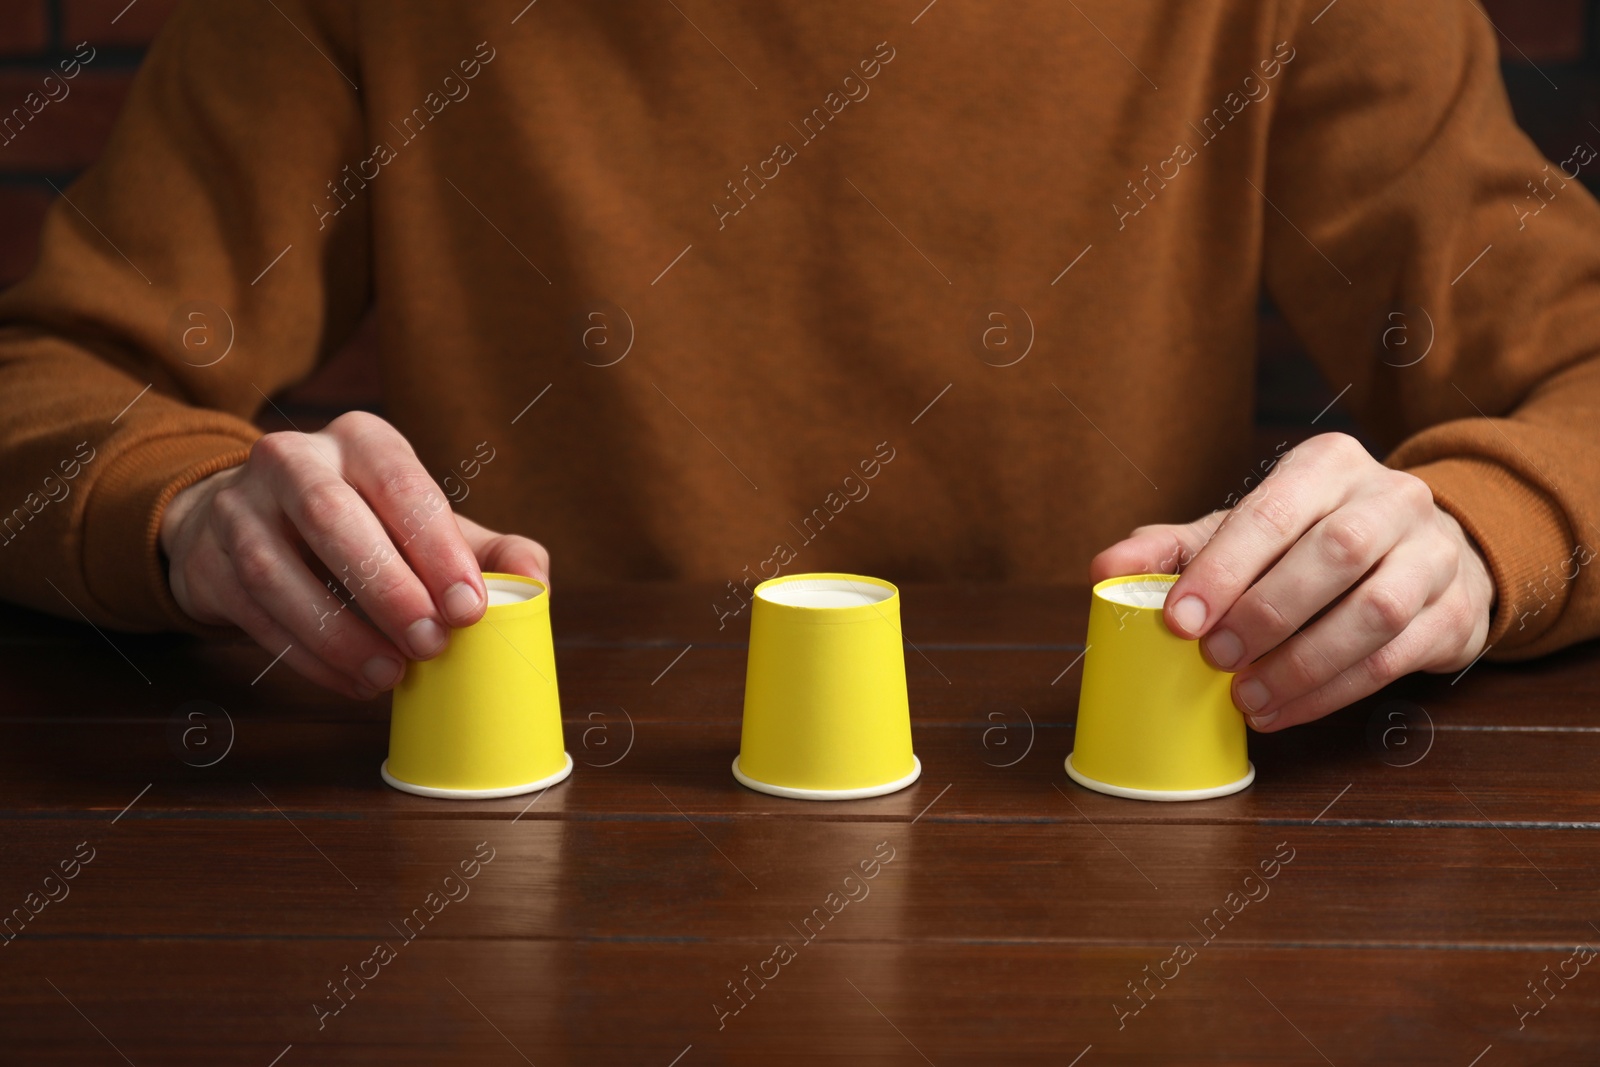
(1524, 538)
(122, 564)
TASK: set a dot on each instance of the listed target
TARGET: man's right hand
(283, 545)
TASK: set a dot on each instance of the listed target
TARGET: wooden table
(1434, 858)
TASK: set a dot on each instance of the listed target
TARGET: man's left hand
(1333, 577)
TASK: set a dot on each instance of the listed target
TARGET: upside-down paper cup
(483, 718)
(825, 709)
(1155, 720)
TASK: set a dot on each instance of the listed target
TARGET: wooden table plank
(1332, 769)
(77, 675)
(709, 879)
(551, 1002)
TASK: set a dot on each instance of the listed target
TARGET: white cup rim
(825, 592)
(1146, 591)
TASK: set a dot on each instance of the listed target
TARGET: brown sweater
(709, 290)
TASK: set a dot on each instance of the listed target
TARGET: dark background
(1543, 44)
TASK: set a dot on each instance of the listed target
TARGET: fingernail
(425, 637)
(1261, 722)
(461, 601)
(1225, 648)
(1253, 695)
(382, 672)
(1190, 614)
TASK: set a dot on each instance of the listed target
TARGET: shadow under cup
(483, 718)
(1155, 720)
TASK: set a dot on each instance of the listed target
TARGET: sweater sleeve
(182, 279)
(1438, 264)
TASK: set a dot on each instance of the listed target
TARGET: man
(720, 291)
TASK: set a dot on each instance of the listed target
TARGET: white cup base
(477, 794)
(791, 793)
(1159, 794)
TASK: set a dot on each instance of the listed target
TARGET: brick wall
(35, 36)
(1541, 41)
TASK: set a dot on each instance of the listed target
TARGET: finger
(1459, 623)
(223, 589)
(1262, 527)
(382, 467)
(506, 553)
(341, 529)
(195, 580)
(1316, 571)
(1160, 549)
(1349, 652)
(272, 575)
(1399, 657)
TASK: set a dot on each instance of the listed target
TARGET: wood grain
(1443, 838)
(1332, 770)
(570, 1001)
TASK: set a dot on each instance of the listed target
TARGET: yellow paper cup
(825, 709)
(1155, 720)
(483, 718)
